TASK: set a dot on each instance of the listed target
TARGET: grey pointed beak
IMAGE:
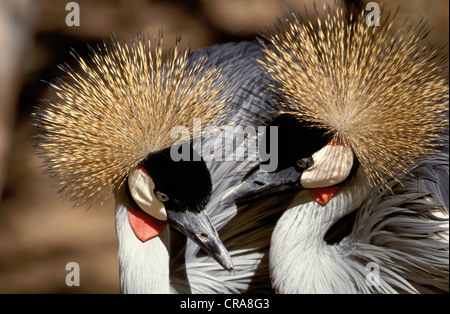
(262, 184)
(198, 227)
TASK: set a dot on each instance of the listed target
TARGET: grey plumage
(433, 177)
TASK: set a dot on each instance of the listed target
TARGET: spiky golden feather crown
(119, 107)
(375, 88)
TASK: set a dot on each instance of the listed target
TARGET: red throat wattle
(323, 195)
(144, 226)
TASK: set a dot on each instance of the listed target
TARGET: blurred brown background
(39, 233)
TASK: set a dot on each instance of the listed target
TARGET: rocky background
(39, 233)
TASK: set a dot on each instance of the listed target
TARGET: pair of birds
(358, 115)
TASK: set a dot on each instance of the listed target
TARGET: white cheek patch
(141, 188)
(332, 165)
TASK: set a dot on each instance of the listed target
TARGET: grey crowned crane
(362, 140)
(110, 128)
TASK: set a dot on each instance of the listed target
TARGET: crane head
(171, 192)
(308, 157)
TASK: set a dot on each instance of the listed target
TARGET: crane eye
(304, 162)
(161, 196)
